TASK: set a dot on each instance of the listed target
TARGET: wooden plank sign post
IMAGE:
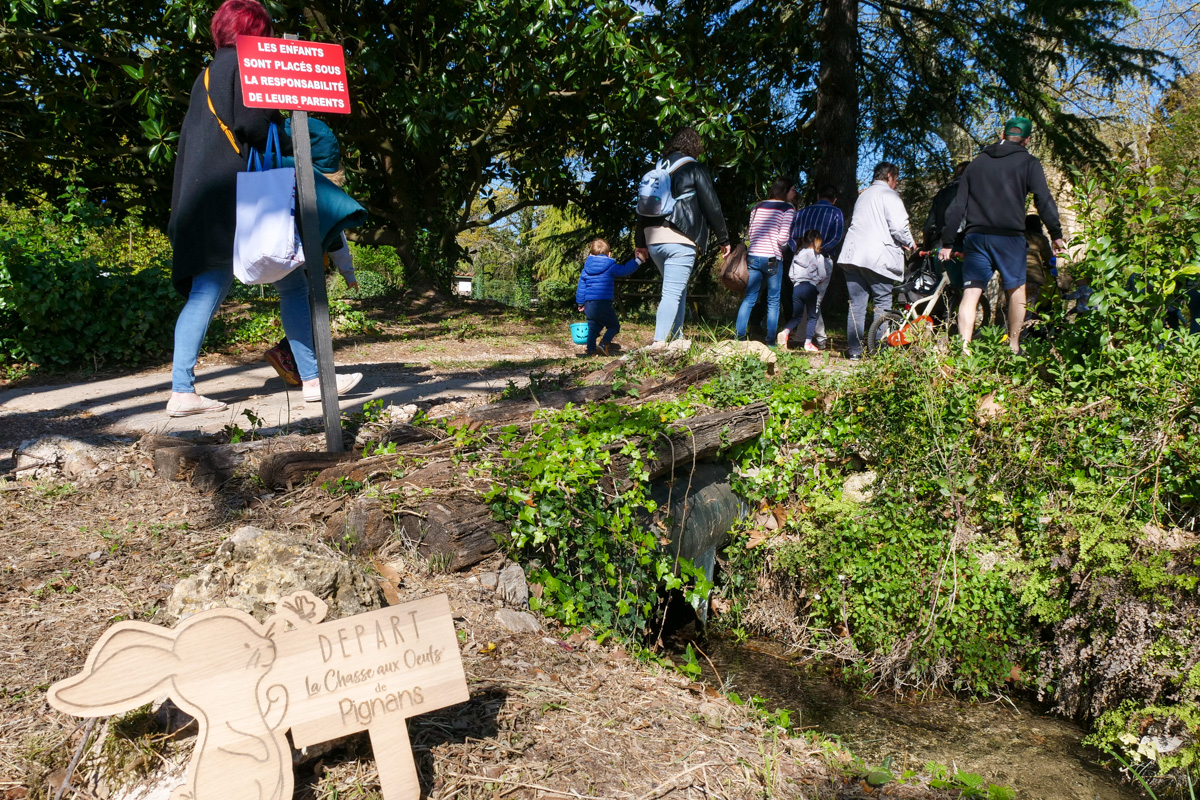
(303, 77)
(247, 683)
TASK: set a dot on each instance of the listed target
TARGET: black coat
(693, 216)
(204, 195)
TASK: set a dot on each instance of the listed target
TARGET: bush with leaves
(69, 298)
(588, 543)
(1138, 247)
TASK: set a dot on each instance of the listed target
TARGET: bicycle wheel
(983, 313)
(881, 327)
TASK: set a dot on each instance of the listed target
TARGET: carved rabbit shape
(213, 666)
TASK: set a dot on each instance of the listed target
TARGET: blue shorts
(986, 252)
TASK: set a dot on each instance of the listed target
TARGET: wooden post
(314, 267)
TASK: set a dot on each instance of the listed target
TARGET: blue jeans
(600, 315)
(804, 302)
(862, 285)
(761, 269)
(674, 262)
(207, 293)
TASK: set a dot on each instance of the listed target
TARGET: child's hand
(580, 309)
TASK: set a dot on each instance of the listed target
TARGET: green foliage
(1140, 243)
(556, 295)
(968, 784)
(560, 237)
(586, 542)
(379, 261)
(69, 298)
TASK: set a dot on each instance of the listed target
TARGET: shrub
(62, 304)
(556, 295)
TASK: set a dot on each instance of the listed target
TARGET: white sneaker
(781, 341)
(809, 347)
(312, 389)
(185, 405)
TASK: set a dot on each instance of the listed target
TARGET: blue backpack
(654, 192)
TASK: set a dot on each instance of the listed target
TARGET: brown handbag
(735, 273)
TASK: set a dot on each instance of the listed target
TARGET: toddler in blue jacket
(594, 295)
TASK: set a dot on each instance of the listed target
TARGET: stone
(253, 569)
(711, 714)
(489, 580)
(518, 621)
(387, 418)
(734, 349)
(51, 456)
(513, 586)
(857, 488)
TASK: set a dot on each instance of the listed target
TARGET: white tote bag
(266, 242)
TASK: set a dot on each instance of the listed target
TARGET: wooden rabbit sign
(247, 683)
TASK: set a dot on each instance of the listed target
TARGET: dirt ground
(551, 715)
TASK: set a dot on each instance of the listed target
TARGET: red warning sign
(282, 73)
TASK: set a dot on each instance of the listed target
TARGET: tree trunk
(836, 121)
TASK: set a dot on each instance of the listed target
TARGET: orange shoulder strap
(224, 127)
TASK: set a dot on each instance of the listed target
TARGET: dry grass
(550, 715)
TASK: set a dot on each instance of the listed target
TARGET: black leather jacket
(693, 216)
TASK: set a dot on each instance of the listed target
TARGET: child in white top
(807, 272)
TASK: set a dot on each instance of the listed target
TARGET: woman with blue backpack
(677, 209)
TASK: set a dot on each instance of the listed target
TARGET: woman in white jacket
(872, 256)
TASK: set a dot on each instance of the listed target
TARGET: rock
(489, 580)
(857, 488)
(513, 587)
(988, 409)
(387, 419)
(253, 568)
(518, 621)
(159, 785)
(52, 456)
(733, 349)
(711, 714)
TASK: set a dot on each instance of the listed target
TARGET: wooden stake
(314, 266)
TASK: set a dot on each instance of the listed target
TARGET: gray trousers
(862, 285)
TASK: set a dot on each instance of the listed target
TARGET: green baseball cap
(1018, 126)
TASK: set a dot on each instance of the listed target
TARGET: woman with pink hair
(218, 133)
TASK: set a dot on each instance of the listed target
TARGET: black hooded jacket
(993, 192)
(693, 216)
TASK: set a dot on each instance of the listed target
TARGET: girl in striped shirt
(770, 226)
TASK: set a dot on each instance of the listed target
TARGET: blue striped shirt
(824, 217)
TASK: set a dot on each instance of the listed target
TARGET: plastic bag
(266, 242)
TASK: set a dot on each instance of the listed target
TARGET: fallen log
(688, 376)
(692, 440)
(205, 466)
(506, 411)
(285, 470)
(455, 534)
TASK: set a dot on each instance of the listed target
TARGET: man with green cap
(990, 208)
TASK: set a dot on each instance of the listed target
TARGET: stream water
(1014, 744)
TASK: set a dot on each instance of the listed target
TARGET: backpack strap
(224, 127)
(680, 163)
